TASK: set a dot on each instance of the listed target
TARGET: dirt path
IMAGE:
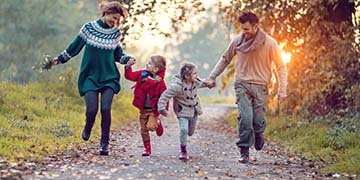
(212, 150)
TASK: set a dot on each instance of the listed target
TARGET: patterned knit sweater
(102, 50)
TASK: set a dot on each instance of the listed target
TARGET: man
(255, 51)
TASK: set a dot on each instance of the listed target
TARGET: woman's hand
(55, 61)
(131, 61)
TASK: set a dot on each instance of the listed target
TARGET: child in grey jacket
(186, 103)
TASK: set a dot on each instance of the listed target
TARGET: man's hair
(248, 17)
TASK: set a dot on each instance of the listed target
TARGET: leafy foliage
(31, 29)
(160, 17)
(45, 65)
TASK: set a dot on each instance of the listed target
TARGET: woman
(98, 71)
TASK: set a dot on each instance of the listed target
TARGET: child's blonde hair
(113, 7)
(159, 61)
(186, 69)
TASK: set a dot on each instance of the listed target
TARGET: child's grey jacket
(186, 102)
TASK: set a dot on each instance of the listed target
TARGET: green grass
(37, 119)
(339, 151)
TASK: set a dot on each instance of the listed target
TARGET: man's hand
(164, 113)
(281, 97)
(131, 61)
(210, 82)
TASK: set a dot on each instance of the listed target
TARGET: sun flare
(286, 57)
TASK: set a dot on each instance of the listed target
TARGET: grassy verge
(336, 145)
(38, 119)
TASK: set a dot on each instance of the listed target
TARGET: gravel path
(212, 151)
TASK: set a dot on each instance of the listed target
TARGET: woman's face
(113, 19)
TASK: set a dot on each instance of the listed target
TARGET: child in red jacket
(149, 86)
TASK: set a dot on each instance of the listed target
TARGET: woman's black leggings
(92, 104)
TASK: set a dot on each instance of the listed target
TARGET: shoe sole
(104, 153)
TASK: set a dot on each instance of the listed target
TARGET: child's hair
(186, 69)
(159, 61)
(113, 7)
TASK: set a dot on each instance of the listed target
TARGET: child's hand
(55, 61)
(210, 82)
(156, 77)
(164, 113)
(131, 62)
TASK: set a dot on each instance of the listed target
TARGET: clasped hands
(131, 61)
(210, 82)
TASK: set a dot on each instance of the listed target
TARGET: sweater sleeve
(166, 96)
(224, 60)
(201, 83)
(120, 56)
(162, 89)
(130, 74)
(275, 55)
(73, 49)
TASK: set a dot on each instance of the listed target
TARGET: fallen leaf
(248, 173)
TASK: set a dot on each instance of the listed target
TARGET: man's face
(249, 30)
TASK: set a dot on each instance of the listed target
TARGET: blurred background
(320, 42)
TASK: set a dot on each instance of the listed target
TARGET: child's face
(192, 77)
(150, 66)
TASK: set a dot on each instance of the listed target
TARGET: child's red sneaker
(147, 148)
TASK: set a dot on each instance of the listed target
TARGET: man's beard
(249, 36)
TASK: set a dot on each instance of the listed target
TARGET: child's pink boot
(183, 153)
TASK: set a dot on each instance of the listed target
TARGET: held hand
(210, 82)
(55, 61)
(131, 62)
(281, 98)
(131, 57)
(164, 113)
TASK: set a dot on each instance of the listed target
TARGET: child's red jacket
(150, 86)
